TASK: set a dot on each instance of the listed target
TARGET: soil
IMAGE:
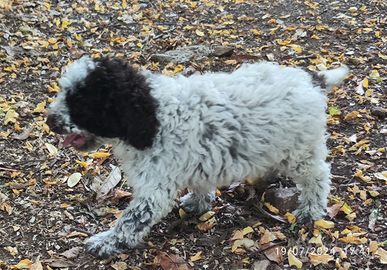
(41, 217)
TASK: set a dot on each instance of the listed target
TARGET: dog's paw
(104, 245)
(194, 204)
(305, 216)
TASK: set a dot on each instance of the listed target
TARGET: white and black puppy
(201, 131)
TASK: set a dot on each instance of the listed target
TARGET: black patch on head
(114, 101)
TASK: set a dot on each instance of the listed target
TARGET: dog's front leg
(134, 223)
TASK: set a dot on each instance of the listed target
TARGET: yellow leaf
(64, 205)
(40, 107)
(199, 33)
(238, 235)
(206, 216)
(65, 24)
(324, 224)
(99, 155)
(82, 163)
(351, 116)
(178, 68)
(352, 9)
(365, 83)
(124, 4)
(280, 42)
(315, 37)
(291, 218)
(247, 230)
(297, 48)
(382, 56)
(351, 216)
(197, 257)
(290, 28)
(316, 240)
(10, 116)
(182, 213)
(78, 37)
(293, 260)
(374, 75)
(271, 208)
(369, 92)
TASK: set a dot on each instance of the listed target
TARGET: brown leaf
(71, 253)
(172, 262)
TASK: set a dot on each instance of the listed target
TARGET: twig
(267, 248)
(82, 231)
(8, 169)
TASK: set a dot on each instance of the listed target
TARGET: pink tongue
(74, 140)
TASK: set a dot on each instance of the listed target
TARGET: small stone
(379, 113)
(284, 199)
(222, 51)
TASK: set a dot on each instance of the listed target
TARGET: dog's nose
(52, 123)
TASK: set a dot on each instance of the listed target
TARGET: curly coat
(201, 131)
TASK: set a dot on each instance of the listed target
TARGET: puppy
(201, 131)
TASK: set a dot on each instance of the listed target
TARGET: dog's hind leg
(133, 224)
(314, 178)
(197, 201)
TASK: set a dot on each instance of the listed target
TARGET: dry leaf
(172, 262)
(51, 149)
(197, 257)
(324, 224)
(103, 187)
(293, 260)
(74, 179)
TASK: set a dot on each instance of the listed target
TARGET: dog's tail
(333, 77)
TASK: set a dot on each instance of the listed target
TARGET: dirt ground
(44, 222)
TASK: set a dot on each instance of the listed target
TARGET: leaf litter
(39, 39)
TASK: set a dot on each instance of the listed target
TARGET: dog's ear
(114, 101)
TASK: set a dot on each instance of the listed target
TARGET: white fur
(217, 129)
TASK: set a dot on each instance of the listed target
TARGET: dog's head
(104, 98)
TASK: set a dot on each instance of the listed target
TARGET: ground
(42, 215)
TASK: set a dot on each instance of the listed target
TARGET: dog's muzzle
(53, 124)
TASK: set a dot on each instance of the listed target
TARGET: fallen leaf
(382, 254)
(51, 149)
(103, 187)
(172, 262)
(71, 253)
(197, 257)
(206, 216)
(324, 224)
(74, 179)
(293, 260)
